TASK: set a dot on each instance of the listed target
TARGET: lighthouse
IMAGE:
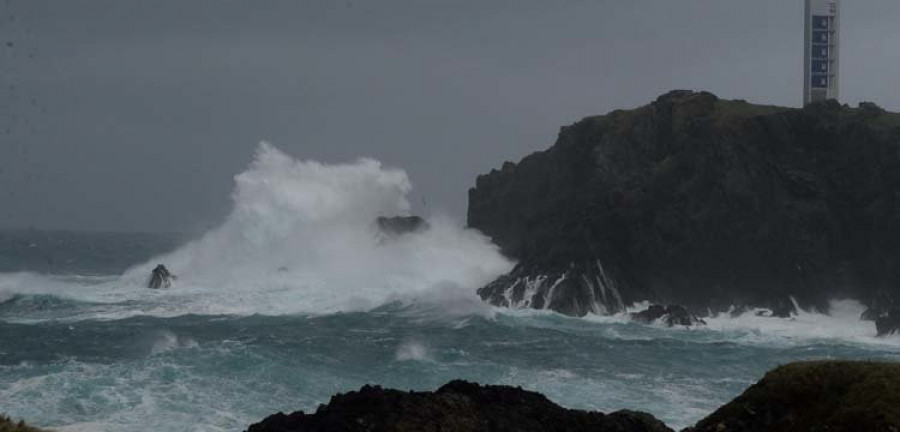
(821, 51)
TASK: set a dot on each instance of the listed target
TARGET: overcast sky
(135, 115)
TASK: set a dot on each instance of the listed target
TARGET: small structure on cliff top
(821, 51)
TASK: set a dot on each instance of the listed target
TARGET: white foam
(299, 239)
(166, 341)
(841, 323)
(413, 350)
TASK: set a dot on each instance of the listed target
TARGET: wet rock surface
(888, 323)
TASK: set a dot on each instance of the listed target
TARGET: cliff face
(703, 202)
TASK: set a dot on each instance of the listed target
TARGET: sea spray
(301, 238)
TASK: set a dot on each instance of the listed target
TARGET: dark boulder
(782, 308)
(8, 425)
(458, 406)
(577, 290)
(889, 323)
(829, 396)
(399, 225)
(160, 278)
(870, 314)
(672, 315)
(702, 202)
(879, 306)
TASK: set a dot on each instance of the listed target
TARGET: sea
(297, 296)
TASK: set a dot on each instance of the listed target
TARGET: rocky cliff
(702, 202)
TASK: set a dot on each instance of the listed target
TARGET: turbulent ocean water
(297, 296)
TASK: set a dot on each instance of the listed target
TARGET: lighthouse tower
(821, 51)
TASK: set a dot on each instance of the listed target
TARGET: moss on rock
(829, 396)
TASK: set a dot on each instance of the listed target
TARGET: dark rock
(399, 225)
(456, 407)
(879, 306)
(870, 314)
(673, 315)
(701, 202)
(160, 278)
(738, 310)
(815, 396)
(577, 291)
(784, 309)
(888, 323)
(8, 425)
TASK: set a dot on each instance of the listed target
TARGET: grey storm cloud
(135, 115)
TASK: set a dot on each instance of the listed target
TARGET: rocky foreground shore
(829, 396)
(815, 396)
(8, 425)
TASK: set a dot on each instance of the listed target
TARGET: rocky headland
(705, 203)
(809, 396)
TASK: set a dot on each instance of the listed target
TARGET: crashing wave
(300, 238)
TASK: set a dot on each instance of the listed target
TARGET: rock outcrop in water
(399, 225)
(702, 202)
(458, 406)
(160, 278)
(815, 396)
(672, 315)
(889, 323)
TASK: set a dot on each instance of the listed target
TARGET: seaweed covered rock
(815, 396)
(702, 202)
(455, 407)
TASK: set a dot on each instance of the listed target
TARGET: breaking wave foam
(841, 324)
(300, 238)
